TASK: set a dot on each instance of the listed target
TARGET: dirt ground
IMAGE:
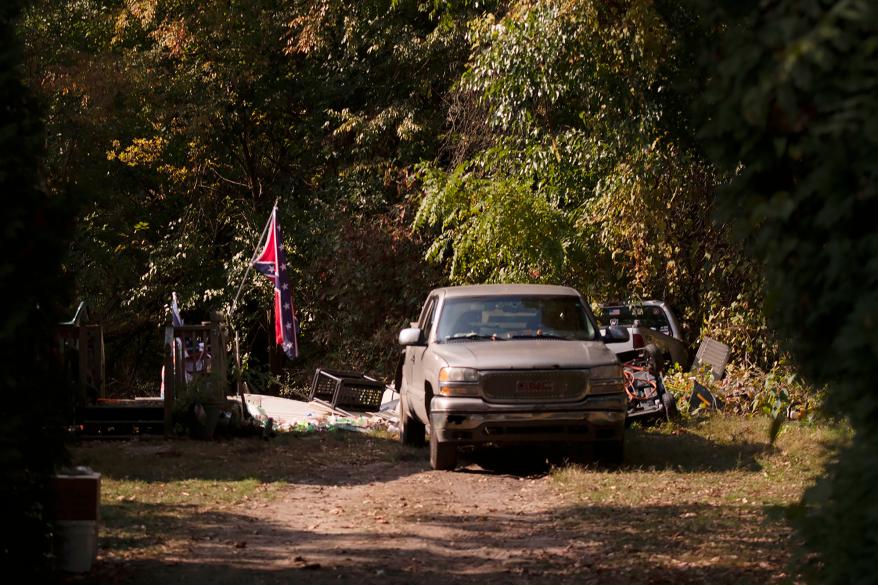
(389, 523)
(378, 514)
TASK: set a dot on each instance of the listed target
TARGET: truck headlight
(459, 382)
(458, 375)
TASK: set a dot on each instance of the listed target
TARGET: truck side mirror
(616, 334)
(411, 336)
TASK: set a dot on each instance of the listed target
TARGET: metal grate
(344, 389)
(535, 386)
(715, 354)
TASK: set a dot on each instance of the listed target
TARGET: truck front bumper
(472, 420)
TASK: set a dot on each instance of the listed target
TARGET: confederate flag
(272, 262)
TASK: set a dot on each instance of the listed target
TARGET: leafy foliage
(794, 102)
(568, 160)
(187, 121)
(564, 158)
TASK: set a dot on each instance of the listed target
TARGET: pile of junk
(650, 400)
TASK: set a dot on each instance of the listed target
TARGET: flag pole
(252, 259)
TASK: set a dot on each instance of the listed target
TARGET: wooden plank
(183, 330)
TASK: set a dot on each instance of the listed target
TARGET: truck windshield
(625, 315)
(510, 317)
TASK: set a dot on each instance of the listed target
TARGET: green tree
(569, 158)
(187, 121)
(794, 116)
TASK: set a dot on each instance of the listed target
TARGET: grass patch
(154, 491)
(282, 458)
(710, 494)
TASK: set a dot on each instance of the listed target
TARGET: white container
(76, 545)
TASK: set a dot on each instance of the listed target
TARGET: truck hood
(525, 354)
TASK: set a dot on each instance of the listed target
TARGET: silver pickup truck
(509, 364)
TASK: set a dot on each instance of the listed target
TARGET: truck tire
(443, 456)
(411, 431)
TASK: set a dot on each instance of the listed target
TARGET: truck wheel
(411, 430)
(443, 456)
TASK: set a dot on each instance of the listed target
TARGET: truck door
(413, 372)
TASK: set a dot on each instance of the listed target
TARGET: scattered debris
(649, 324)
(347, 389)
(702, 399)
(715, 354)
(389, 405)
(648, 398)
(287, 415)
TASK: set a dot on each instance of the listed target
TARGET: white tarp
(297, 415)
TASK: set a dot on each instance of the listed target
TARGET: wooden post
(224, 351)
(171, 367)
(82, 340)
(91, 349)
(218, 359)
(102, 363)
(179, 368)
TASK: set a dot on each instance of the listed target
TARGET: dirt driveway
(406, 524)
(351, 514)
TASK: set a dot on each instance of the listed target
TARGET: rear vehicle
(650, 324)
(655, 342)
(509, 364)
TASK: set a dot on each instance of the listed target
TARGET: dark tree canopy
(795, 118)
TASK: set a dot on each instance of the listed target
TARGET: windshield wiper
(540, 336)
(472, 335)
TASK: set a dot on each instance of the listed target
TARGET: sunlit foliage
(569, 159)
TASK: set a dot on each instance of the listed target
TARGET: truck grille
(534, 386)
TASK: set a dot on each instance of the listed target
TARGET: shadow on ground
(686, 451)
(700, 543)
(355, 458)
(645, 449)
(576, 544)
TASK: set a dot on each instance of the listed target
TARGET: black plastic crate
(344, 389)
